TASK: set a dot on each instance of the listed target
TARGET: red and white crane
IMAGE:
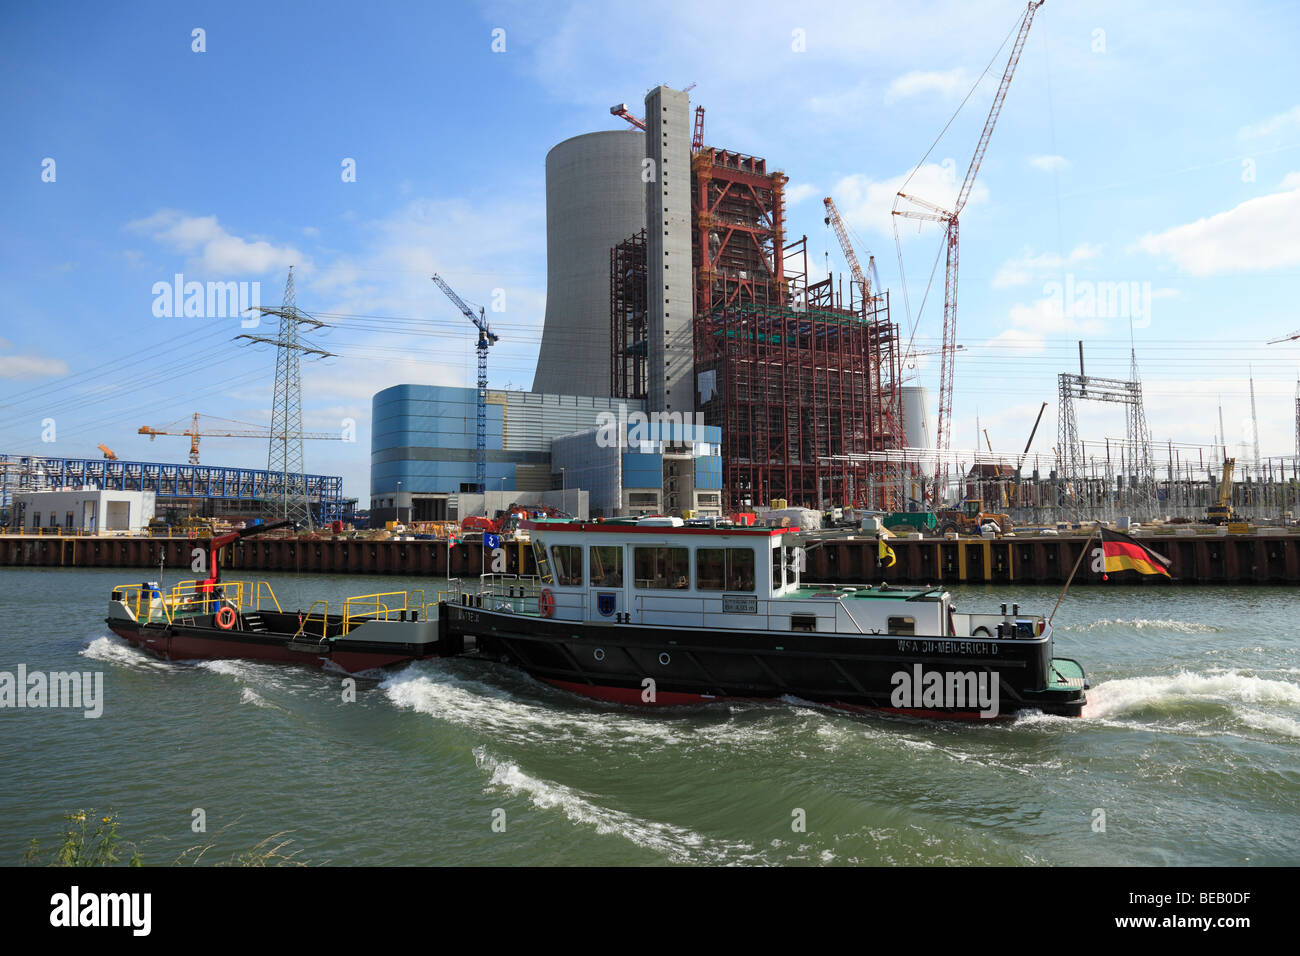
(928, 211)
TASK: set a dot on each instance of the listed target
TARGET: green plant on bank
(89, 840)
(93, 840)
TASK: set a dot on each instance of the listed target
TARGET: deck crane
(486, 339)
(948, 218)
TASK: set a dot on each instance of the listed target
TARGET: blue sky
(1153, 145)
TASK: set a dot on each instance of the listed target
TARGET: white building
(87, 510)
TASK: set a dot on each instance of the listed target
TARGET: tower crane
(194, 433)
(930, 212)
(486, 339)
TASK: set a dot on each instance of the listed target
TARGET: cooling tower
(595, 198)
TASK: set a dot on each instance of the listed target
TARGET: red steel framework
(800, 380)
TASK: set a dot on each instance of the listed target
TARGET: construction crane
(620, 109)
(486, 339)
(836, 223)
(1286, 338)
(948, 218)
(195, 432)
(108, 452)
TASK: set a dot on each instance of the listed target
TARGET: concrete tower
(670, 300)
(595, 198)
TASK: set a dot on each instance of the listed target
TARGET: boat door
(607, 584)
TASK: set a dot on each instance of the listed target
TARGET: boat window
(724, 569)
(606, 566)
(803, 622)
(779, 557)
(662, 568)
(902, 625)
(543, 563)
(568, 564)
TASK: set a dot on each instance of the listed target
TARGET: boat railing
(383, 606)
(306, 621)
(196, 598)
(517, 593)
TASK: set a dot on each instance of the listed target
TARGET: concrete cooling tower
(595, 199)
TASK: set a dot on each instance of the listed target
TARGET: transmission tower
(285, 454)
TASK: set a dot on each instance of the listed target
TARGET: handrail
(324, 620)
(381, 609)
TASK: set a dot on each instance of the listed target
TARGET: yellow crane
(1221, 511)
(195, 432)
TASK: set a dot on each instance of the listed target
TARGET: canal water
(1189, 752)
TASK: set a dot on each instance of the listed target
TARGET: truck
(970, 518)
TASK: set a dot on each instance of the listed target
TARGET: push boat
(212, 619)
(652, 612)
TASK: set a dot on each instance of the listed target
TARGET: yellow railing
(310, 617)
(385, 606)
(192, 598)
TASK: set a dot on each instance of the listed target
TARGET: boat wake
(112, 649)
(1142, 624)
(677, 844)
(1231, 693)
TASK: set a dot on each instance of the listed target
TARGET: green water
(1190, 746)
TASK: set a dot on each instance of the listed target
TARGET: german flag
(1122, 553)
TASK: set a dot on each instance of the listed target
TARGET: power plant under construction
(690, 365)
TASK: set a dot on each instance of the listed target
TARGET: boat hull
(201, 639)
(655, 665)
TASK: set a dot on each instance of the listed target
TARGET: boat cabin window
(567, 559)
(902, 625)
(662, 568)
(803, 622)
(779, 558)
(724, 569)
(606, 566)
(543, 562)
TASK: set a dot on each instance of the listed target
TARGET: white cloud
(1271, 125)
(1290, 181)
(20, 367)
(212, 250)
(1022, 271)
(866, 203)
(947, 83)
(1048, 163)
(1256, 234)
(797, 194)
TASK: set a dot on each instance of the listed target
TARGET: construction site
(767, 392)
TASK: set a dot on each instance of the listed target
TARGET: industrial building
(424, 438)
(672, 289)
(178, 490)
(645, 468)
(83, 511)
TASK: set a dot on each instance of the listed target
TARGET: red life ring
(226, 617)
(546, 603)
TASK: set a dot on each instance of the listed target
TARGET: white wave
(250, 696)
(678, 844)
(439, 693)
(115, 650)
(1270, 723)
(1144, 624)
(1133, 693)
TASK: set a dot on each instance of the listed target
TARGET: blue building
(423, 445)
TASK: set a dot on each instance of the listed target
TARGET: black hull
(199, 638)
(686, 666)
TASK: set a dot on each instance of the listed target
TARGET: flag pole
(1061, 598)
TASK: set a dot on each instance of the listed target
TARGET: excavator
(1221, 511)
